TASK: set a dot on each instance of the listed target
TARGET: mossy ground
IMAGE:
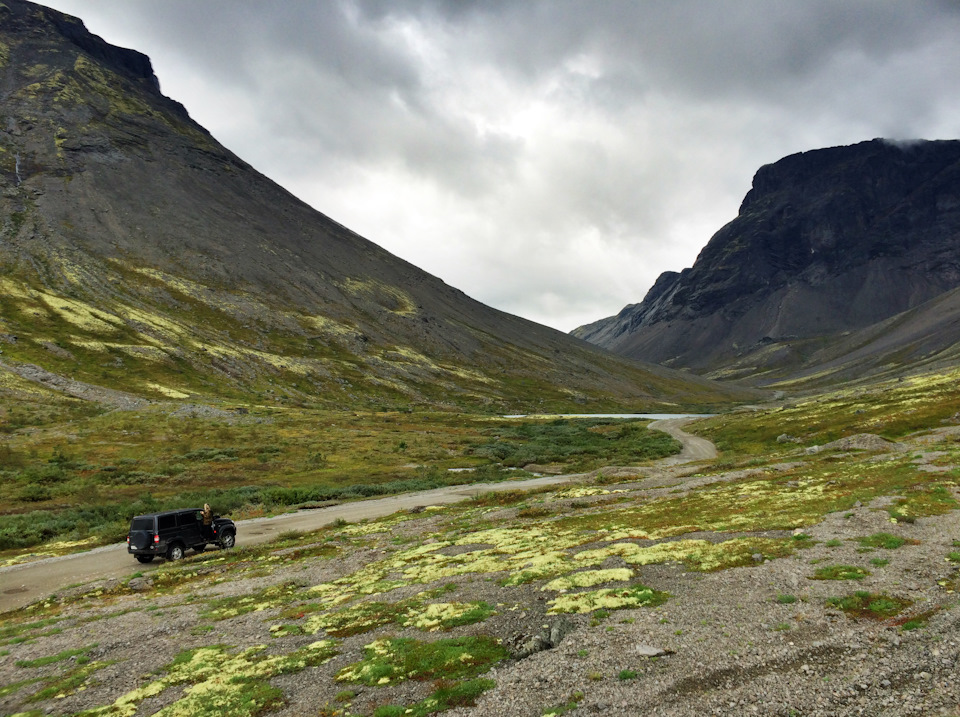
(412, 610)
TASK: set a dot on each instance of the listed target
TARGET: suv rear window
(141, 524)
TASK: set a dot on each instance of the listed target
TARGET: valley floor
(761, 588)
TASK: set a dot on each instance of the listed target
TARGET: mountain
(827, 242)
(139, 255)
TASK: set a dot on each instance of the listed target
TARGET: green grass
(863, 604)
(786, 599)
(449, 694)
(840, 572)
(882, 540)
(392, 660)
(569, 706)
(71, 681)
(52, 659)
(13, 631)
(14, 687)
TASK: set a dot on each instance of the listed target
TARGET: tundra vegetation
(73, 476)
(410, 614)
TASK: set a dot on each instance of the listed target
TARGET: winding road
(23, 584)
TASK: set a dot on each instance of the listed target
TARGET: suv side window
(165, 522)
(191, 518)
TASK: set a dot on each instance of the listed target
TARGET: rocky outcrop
(826, 242)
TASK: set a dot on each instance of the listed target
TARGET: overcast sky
(548, 157)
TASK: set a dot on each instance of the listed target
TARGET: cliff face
(825, 242)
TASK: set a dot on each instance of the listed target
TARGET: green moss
(865, 604)
(12, 631)
(264, 599)
(923, 501)
(14, 687)
(68, 683)
(393, 660)
(449, 694)
(52, 659)
(840, 572)
(882, 540)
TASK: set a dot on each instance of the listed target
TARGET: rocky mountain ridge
(826, 242)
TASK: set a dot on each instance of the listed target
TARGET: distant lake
(647, 416)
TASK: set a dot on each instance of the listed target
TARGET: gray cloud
(549, 157)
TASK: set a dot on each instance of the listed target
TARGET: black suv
(169, 534)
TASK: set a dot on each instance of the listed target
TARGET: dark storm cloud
(550, 157)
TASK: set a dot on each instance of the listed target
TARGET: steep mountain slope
(826, 242)
(924, 338)
(139, 254)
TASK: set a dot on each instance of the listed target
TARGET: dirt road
(694, 447)
(21, 585)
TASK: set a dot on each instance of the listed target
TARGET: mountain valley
(177, 329)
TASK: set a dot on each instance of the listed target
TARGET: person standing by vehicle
(207, 521)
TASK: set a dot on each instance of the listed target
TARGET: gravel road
(23, 584)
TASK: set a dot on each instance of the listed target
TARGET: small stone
(650, 651)
(140, 584)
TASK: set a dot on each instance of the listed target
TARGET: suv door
(166, 529)
(188, 527)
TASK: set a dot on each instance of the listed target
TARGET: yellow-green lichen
(695, 554)
(589, 578)
(606, 599)
(165, 390)
(391, 298)
(220, 682)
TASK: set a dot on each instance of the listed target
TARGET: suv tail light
(128, 540)
(156, 538)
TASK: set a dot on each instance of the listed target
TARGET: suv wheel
(175, 552)
(144, 558)
(227, 540)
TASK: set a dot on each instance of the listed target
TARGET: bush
(34, 493)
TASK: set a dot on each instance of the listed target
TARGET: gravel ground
(725, 643)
